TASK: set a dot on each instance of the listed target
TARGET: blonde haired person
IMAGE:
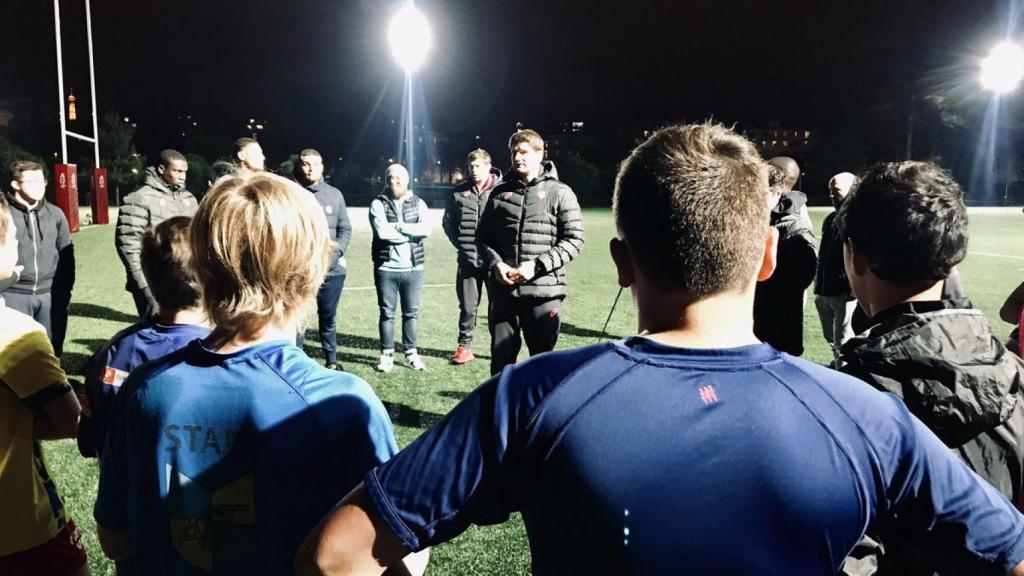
(36, 403)
(227, 452)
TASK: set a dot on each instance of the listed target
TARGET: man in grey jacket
(529, 231)
(162, 196)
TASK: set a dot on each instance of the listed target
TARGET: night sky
(314, 69)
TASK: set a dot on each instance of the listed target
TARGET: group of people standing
(225, 449)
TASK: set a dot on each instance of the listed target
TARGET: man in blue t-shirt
(691, 448)
(178, 321)
(223, 455)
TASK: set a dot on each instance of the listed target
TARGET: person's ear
(623, 262)
(15, 185)
(857, 262)
(160, 169)
(770, 258)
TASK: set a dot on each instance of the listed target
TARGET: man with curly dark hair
(904, 228)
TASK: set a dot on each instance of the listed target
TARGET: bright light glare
(409, 37)
(1003, 68)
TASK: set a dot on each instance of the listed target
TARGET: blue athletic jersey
(638, 458)
(224, 463)
(110, 366)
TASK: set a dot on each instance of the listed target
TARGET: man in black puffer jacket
(905, 228)
(461, 216)
(530, 229)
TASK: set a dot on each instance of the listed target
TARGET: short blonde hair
(259, 250)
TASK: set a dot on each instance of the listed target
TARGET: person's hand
(505, 274)
(526, 271)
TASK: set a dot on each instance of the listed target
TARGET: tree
(200, 175)
(117, 152)
(582, 176)
(11, 153)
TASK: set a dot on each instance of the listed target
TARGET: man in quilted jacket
(162, 196)
(529, 231)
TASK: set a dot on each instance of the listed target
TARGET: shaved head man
(832, 296)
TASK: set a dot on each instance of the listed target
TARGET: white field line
(994, 255)
(346, 289)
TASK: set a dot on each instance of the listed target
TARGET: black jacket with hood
(44, 248)
(955, 376)
(941, 359)
(462, 214)
(539, 221)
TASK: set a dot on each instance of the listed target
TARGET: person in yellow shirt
(36, 403)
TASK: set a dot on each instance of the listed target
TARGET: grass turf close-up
(100, 307)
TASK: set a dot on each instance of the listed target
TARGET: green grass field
(416, 399)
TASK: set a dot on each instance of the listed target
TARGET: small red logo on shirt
(553, 313)
(506, 196)
(708, 395)
(108, 375)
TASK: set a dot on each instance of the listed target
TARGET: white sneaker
(414, 361)
(386, 363)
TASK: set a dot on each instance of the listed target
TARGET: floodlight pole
(60, 84)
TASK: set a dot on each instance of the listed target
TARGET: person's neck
(529, 176)
(481, 185)
(311, 183)
(226, 341)
(722, 321)
(398, 195)
(26, 202)
(194, 316)
(886, 295)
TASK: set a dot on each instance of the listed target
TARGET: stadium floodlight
(1003, 68)
(409, 37)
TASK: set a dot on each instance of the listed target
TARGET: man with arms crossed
(637, 456)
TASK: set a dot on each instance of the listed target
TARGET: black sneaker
(336, 366)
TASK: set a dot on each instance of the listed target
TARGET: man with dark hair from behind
(310, 173)
(466, 203)
(905, 228)
(178, 320)
(162, 196)
(637, 456)
(779, 300)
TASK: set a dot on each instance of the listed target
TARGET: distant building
(570, 139)
(774, 139)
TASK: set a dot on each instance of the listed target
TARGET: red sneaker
(463, 355)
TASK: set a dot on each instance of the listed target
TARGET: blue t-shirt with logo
(223, 463)
(637, 458)
(109, 368)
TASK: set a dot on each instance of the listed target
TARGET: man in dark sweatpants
(530, 229)
(310, 172)
(465, 205)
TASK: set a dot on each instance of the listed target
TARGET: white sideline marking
(994, 255)
(346, 289)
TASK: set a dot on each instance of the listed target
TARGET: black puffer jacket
(942, 360)
(779, 300)
(462, 215)
(538, 221)
(148, 206)
(830, 279)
